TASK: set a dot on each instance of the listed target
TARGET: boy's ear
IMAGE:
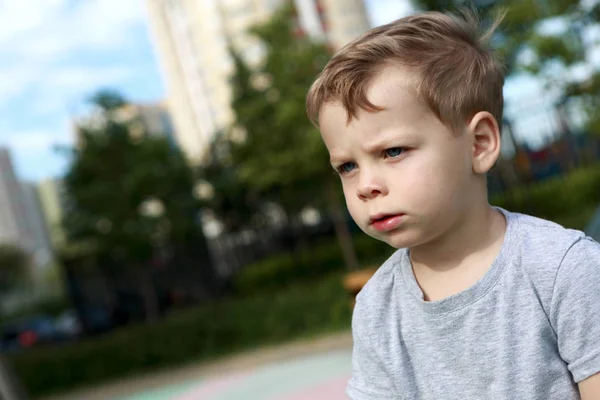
(486, 141)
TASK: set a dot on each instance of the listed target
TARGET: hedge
(281, 270)
(569, 200)
(48, 306)
(556, 198)
(196, 334)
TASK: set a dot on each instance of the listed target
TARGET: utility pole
(10, 388)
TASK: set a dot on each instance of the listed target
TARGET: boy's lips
(386, 222)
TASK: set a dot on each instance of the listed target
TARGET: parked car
(28, 332)
(68, 326)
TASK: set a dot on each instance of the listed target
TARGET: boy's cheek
(348, 194)
(355, 212)
(345, 188)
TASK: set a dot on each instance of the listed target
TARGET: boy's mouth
(386, 222)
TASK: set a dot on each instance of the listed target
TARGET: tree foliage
(131, 198)
(14, 266)
(115, 175)
(549, 40)
(281, 155)
(533, 36)
(233, 200)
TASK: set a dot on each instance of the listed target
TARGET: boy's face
(406, 176)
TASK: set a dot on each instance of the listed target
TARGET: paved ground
(316, 369)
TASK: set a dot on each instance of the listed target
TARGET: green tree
(282, 155)
(129, 196)
(236, 204)
(534, 37)
(547, 40)
(14, 266)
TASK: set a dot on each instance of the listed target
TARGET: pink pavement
(334, 389)
(318, 377)
(213, 387)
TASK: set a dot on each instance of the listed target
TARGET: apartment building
(192, 38)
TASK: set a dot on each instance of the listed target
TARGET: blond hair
(458, 75)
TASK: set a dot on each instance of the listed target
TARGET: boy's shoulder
(382, 280)
(542, 240)
(543, 250)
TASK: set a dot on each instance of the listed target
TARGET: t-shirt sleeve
(370, 380)
(575, 309)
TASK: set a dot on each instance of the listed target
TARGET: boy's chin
(398, 239)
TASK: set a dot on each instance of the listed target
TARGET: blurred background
(169, 225)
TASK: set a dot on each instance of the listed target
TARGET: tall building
(52, 199)
(35, 224)
(152, 119)
(192, 39)
(13, 228)
(21, 218)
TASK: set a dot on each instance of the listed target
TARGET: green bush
(555, 198)
(49, 306)
(371, 251)
(200, 333)
(576, 220)
(568, 200)
(282, 270)
(266, 274)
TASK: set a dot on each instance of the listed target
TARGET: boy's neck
(477, 233)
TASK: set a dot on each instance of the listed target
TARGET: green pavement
(166, 393)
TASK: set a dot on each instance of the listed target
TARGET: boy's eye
(346, 167)
(394, 152)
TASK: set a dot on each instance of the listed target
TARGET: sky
(55, 53)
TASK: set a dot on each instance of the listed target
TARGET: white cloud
(13, 79)
(37, 36)
(21, 16)
(31, 141)
(98, 24)
(47, 27)
(86, 78)
(55, 53)
(384, 11)
(71, 86)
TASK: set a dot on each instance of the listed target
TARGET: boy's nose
(370, 188)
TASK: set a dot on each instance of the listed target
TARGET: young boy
(478, 302)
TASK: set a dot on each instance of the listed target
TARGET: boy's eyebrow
(384, 139)
(377, 143)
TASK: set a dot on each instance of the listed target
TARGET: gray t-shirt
(528, 329)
